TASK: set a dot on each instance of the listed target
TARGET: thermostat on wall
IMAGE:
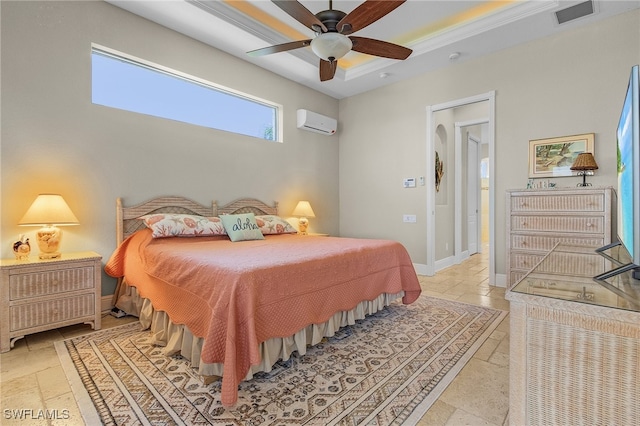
(409, 182)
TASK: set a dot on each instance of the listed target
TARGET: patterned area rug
(386, 369)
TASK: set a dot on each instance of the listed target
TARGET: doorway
(487, 99)
(473, 199)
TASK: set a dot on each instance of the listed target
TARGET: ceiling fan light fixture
(331, 46)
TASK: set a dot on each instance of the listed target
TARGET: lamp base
(49, 255)
(48, 239)
(584, 178)
(303, 223)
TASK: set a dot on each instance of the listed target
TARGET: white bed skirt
(178, 339)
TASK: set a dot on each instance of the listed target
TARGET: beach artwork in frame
(553, 157)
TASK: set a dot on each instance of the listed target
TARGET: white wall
(55, 140)
(562, 85)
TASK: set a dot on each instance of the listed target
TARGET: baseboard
(421, 269)
(501, 280)
(445, 263)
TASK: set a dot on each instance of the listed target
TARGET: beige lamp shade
(47, 211)
(303, 210)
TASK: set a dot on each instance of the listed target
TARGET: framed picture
(554, 157)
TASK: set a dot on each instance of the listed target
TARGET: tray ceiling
(440, 32)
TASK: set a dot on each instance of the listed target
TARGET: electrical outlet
(409, 218)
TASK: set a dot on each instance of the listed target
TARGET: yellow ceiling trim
(476, 12)
(259, 15)
(481, 10)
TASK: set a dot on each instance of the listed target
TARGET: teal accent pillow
(241, 227)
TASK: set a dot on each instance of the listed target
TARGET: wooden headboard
(249, 205)
(128, 221)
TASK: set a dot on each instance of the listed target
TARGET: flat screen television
(628, 144)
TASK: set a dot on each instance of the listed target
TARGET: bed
(234, 308)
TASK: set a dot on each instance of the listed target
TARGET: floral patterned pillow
(270, 224)
(166, 225)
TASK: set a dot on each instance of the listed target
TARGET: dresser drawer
(547, 242)
(579, 224)
(29, 285)
(558, 203)
(525, 261)
(516, 276)
(28, 315)
(573, 265)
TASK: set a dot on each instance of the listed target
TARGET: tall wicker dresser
(538, 219)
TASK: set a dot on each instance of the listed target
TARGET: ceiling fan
(332, 28)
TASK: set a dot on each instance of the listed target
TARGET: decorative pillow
(241, 227)
(270, 224)
(166, 225)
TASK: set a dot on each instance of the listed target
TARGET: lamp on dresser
(584, 164)
(303, 210)
(47, 211)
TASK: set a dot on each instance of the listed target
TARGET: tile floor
(31, 376)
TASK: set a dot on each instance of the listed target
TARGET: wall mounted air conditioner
(314, 122)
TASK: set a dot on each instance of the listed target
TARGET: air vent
(574, 12)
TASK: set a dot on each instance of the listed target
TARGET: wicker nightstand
(39, 295)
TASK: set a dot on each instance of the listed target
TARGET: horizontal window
(131, 85)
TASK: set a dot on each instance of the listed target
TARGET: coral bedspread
(239, 294)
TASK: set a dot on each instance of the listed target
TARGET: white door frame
(431, 192)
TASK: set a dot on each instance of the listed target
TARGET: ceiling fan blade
(365, 14)
(280, 48)
(379, 48)
(327, 69)
(301, 14)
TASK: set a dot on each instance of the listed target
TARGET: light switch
(409, 182)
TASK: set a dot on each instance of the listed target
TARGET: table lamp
(584, 164)
(49, 210)
(303, 210)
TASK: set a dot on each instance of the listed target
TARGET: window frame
(154, 67)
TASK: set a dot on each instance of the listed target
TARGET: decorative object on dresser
(41, 295)
(550, 158)
(585, 164)
(538, 219)
(303, 210)
(49, 210)
(22, 248)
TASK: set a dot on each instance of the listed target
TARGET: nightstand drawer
(29, 285)
(30, 315)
